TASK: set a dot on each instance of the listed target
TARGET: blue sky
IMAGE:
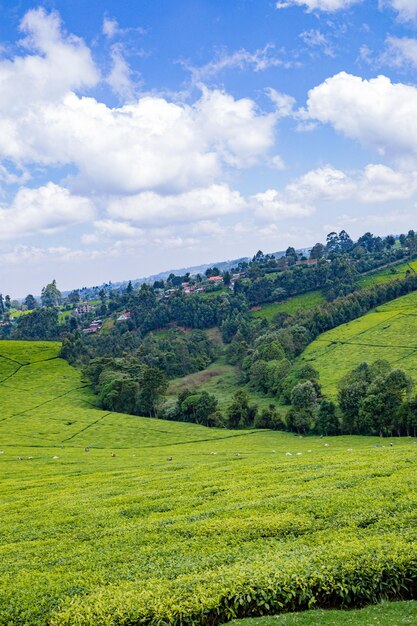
(141, 136)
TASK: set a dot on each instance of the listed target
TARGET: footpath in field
(110, 518)
(388, 332)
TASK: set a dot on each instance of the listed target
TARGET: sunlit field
(389, 332)
(116, 519)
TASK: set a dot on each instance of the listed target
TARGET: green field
(388, 332)
(302, 302)
(388, 274)
(168, 523)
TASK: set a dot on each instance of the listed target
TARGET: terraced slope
(388, 332)
(167, 523)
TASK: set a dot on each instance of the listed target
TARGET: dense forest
(130, 342)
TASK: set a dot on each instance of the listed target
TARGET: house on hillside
(307, 262)
(215, 280)
(84, 307)
(123, 317)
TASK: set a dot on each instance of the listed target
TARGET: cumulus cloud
(328, 6)
(44, 210)
(55, 64)
(378, 113)
(150, 144)
(152, 208)
(376, 183)
(325, 183)
(272, 205)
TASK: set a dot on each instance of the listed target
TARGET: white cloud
(43, 210)
(208, 228)
(114, 229)
(56, 64)
(314, 38)
(380, 183)
(325, 183)
(272, 205)
(328, 6)
(406, 9)
(283, 102)
(120, 78)
(376, 112)
(277, 162)
(150, 144)
(110, 27)
(152, 208)
(376, 183)
(260, 60)
(400, 51)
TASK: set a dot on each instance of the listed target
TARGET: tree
(317, 251)
(200, 407)
(74, 297)
(291, 255)
(153, 384)
(326, 420)
(304, 396)
(7, 303)
(240, 412)
(30, 302)
(389, 241)
(227, 278)
(50, 295)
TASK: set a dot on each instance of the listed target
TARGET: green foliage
(372, 399)
(40, 324)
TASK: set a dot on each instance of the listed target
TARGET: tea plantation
(388, 332)
(110, 519)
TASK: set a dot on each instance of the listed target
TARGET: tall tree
(50, 295)
(30, 302)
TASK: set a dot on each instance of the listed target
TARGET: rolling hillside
(161, 522)
(389, 332)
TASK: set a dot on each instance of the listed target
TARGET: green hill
(169, 523)
(388, 332)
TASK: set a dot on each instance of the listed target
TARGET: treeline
(373, 399)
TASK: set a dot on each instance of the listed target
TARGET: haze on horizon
(134, 139)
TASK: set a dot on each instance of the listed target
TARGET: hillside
(388, 332)
(160, 520)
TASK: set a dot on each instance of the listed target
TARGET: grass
(388, 332)
(302, 302)
(161, 522)
(384, 614)
(221, 380)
